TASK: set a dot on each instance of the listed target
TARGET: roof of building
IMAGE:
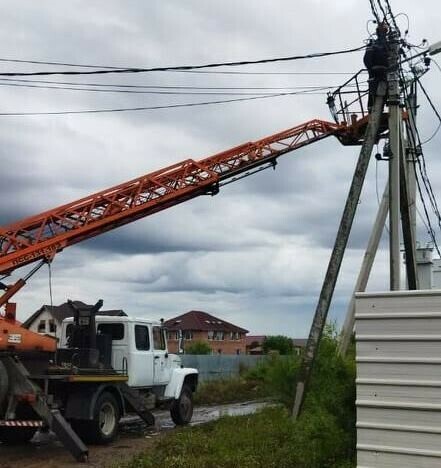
(299, 342)
(201, 321)
(64, 311)
(259, 339)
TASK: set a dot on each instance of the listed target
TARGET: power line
(41, 62)
(420, 161)
(169, 106)
(134, 86)
(432, 105)
(182, 93)
(261, 73)
(108, 70)
(374, 11)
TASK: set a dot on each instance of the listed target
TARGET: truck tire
(181, 410)
(103, 428)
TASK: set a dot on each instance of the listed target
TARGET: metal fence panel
(398, 337)
(219, 366)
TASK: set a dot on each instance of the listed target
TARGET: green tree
(198, 347)
(280, 343)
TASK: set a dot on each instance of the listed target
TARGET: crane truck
(104, 366)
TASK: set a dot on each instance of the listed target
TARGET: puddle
(201, 415)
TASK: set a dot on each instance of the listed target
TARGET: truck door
(161, 369)
(141, 358)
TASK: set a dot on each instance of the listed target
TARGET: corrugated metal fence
(219, 366)
(398, 337)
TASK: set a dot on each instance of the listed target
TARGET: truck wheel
(181, 410)
(104, 426)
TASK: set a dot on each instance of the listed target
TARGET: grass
(267, 439)
(323, 437)
(229, 391)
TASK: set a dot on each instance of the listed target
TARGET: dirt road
(134, 437)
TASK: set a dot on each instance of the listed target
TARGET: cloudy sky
(256, 253)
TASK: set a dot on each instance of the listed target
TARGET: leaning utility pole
(339, 249)
(365, 270)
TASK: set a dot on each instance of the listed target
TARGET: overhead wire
(107, 70)
(135, 86)
(180, 92)
(144, 108)
(422, 169)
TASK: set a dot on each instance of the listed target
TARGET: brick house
(47, 319)
(223, 337)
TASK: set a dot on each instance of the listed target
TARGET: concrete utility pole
(395, 126)
(341, 240)
(411, 105)
(365, 270)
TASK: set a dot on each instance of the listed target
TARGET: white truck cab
(139, 351)
(139, 348)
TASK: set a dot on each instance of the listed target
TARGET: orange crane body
(45, 234)
(41, 236)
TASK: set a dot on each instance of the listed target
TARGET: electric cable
(50, 282)
(420, 162)
(142, 108)
(374, 11)
(391, 15)
(134, 86)
(108, 70)
(433, 135)
(131, 91)
(432, 105)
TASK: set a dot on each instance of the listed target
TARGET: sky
(256, 253)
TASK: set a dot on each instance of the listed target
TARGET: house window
(52, 326)
(142, 339)
(187, 334)
(234, 336)
(219, 335)
(42, 326)
(158, 338)
(173, 335)
(115, 330)
(211, 335)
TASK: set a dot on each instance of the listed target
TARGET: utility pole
(338, 251)
(411, 156)
(365, 270)
(395, 127)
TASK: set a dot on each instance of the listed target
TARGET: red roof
(201, 321)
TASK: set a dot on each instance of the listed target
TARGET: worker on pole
(376, 61)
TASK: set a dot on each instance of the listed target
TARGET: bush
(282, 344)
(198, 347)
(276, 377)
(228, 391)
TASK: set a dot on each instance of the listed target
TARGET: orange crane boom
(41, 236)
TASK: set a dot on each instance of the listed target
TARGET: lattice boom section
(45, 234)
